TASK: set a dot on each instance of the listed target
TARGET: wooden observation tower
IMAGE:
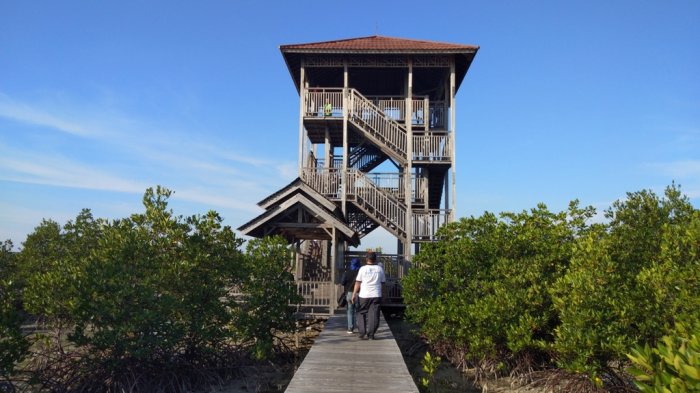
(376, 144)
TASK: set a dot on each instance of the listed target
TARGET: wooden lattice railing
(381, 120)
(385, 132)
(375, 201)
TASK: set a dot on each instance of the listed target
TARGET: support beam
(302, 94)
(334, 279)
(453, 134)
(344, 172)
(408, 171)
(327, 150)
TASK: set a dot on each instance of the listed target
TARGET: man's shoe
(371, 337)
(349, 331)
(363, 337)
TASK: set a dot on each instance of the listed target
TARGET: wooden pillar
(344, 172)
(408, 171)
(334, 279)
(447, 189)
(453, 134)
(302, 94)
(327, 150)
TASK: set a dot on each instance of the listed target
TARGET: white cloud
(62, 173)
(138, 154)
(219, 199)
(24, 113)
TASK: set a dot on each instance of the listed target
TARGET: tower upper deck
(377, 58)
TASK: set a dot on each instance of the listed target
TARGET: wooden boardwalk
(341, 362)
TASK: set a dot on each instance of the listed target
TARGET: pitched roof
(381, 44)
(377, 45)
(280, 216)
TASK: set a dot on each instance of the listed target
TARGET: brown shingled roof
(378, 43)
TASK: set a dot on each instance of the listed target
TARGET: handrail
(326, 181)
(393, 183)
(316, 98)
(432, 146)
(383, 205)
(426, 223)
(385, 131)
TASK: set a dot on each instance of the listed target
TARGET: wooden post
(302, 94)
(344, 172)
(327, 150)
(408, 185)
(453, 133)
(426, 114)
(333, 274)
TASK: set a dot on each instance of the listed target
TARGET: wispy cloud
(24, 113)
(39, 169)
(223, 200)
(143, 153)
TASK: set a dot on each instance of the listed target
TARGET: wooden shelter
(376, 145)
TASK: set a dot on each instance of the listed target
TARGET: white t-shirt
(371, 277)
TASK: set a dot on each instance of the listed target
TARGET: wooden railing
(316, 293)
(376, 201)
(380, 128)
(315, 100)
(381, 119)
(393, 183)
(392, 107)
(326, 181)
(379, 204)
(431, 146)
(419, 111)
(426, 223)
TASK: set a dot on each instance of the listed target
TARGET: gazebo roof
(297, 212)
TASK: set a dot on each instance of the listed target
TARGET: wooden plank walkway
(341, 362)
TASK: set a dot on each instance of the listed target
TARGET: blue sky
(564, 100)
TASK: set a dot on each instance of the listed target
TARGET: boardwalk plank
(341, 362)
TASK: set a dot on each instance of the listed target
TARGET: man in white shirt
(368, 290)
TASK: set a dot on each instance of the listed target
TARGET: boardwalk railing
(317, 297)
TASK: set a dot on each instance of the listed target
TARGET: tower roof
(377, 45)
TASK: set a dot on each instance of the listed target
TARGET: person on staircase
(348, 282)
(368, 294)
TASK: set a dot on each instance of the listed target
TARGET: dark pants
(368, 315)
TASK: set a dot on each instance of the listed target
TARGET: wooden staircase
(376, 203)
(384, 132)
(384, 138)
